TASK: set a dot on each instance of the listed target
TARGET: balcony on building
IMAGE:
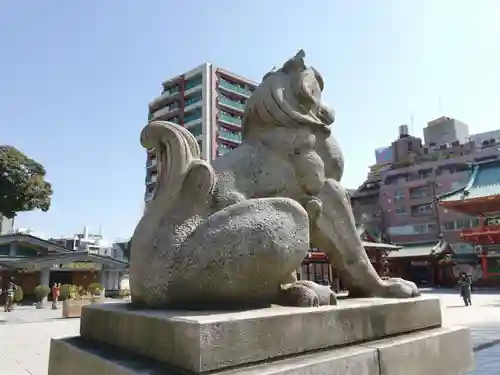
(422, 210)
(192, 102)
(151, 162)
(193, 85)
(169, 93)
(234, 121)
(196, 130)
(151, 178)
(231, 104)
(234, 88)
(230, 136)
(223, 149)
(192, 117)
(168, 110)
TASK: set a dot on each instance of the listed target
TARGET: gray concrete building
(445, 132)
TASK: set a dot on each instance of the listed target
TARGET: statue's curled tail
(179, 159)
(184, 181)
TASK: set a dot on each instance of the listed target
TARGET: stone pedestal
(358, 337)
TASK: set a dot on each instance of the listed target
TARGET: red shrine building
(480, 198)
(316, 266)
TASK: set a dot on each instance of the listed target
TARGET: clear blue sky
(76, 78)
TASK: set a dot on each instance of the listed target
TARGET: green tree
(22, 183)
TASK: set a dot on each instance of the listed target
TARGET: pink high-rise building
(209, 102)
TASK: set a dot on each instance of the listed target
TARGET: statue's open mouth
(326, 115)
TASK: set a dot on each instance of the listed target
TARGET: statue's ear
(296, 64)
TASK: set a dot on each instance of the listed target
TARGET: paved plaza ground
(26, 332)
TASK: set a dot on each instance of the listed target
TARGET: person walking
(56, 288)
(465, 282)
(9, 294)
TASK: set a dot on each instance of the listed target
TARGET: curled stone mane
(286, 98)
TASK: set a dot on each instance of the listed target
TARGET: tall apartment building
(399, 194)
(209, 102)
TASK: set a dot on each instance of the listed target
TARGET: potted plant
(124, 293)
(95, 290)
(77, 297)
(41, 293)
(66, 292)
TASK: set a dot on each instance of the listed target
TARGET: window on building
(463, 223)
(449, 225)
(399, 194)
(230, 134)
(173, 105)
(400, 230)
(458, 184)
(192, 99)
(408, 230)
(223, 149)
(431, 228)
(174, 119)
(192, 115)
(171, 90)
(425, 228)
(401, 210)
(196, 130)
(419, 192)
(420, 228)
(193, 82)
(422, 210)
(425, 173)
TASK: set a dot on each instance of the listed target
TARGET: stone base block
(438, 351)
(443, 351)
(209, 341)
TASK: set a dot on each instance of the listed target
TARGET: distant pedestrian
(56, 290)
(9, 296)
(465, 282)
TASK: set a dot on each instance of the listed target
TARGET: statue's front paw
(298, 295)
(313, 206)
(399, 288)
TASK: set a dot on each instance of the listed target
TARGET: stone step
(436, 351)
(207, 341)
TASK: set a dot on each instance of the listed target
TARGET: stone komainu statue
(233, 233)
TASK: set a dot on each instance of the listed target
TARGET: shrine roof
(72, 256)
(6, 239)
(380, 245)
(422, 249)
(484, 181)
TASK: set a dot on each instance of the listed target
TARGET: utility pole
(436, 206)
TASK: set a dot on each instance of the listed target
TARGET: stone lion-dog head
(289, 97)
